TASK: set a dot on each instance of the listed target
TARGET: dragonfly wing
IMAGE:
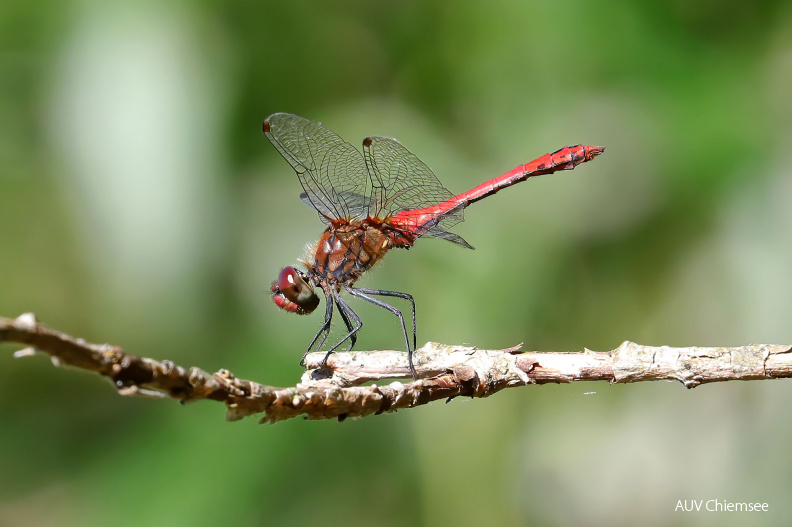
(439, 232)
(352, 200)
(400, 181)
(329, 169)
(324, 212)
(432, 225)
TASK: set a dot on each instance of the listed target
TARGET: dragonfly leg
(348, 323)
(352, 321)
(324, 329)
(362, 294)
(397, 294)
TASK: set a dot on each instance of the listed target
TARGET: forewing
(400, 181)
(330, 170)
(352, 200)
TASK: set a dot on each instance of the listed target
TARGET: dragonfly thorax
(348, 249)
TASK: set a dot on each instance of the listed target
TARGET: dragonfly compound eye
(292, 293)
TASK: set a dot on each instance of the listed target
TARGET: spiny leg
(362, 295)
(348, 315)
(324, 329)
(397, 294)
(348, 323)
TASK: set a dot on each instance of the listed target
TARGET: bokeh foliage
(141, 205)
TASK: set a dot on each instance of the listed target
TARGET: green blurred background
(141, 205)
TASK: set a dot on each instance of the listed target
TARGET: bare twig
(336, 390)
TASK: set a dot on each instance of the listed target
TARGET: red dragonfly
(381, 199)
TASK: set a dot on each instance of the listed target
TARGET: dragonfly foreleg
(351, 320)
(324, 329)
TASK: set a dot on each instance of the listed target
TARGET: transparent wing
(439, 232)
(400, 181)
(352, 200)
(330, 170)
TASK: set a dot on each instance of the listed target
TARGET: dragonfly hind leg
(397, 294)
(364, 294)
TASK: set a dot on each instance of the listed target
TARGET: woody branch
(336, 391)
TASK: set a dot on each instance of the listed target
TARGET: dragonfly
(372, 201)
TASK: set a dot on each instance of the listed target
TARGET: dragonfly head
(293, 292)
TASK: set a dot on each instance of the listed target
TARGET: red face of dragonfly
(373, 201)
(292, 293)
